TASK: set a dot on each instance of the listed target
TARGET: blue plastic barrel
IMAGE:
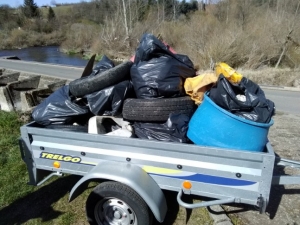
(213, 126)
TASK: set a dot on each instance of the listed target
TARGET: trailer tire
(73, 128)
(156, 110)
(90, 84)
(111, 202)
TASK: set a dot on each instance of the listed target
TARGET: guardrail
(23, 91)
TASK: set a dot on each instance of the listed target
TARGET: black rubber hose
(88, 85)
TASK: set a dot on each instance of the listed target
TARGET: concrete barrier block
(26, 102)
(8, 78)
(23, 91)
(56, 85)
(5, 100)
(38, 95)
(18, 89)
(45, 81)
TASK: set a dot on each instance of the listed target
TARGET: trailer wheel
(113, 203)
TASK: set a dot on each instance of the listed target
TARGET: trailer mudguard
(131, 175)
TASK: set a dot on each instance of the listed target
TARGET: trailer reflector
(187, 184)
(56, 164)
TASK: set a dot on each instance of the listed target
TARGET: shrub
(80, 37)
(18, 38)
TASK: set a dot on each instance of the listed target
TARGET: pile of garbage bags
(157, 92)
(63, 107)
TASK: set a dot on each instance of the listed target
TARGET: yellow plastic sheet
(197, 86)
(228, 72)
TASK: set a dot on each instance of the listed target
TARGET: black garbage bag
(157, 72)
(104, 64)
(109, 101)
(60, 108)
(174, 130)
(245, 99)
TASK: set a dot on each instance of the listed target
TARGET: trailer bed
(216, 173)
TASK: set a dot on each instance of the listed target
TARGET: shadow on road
(277, 191)
(276, 194)
(173, 208)
(274, 201)
(174, 214)
(38, 204)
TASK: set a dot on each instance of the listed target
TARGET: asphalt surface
(285, 100)
(53, 70)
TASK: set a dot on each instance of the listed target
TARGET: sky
(16, 3)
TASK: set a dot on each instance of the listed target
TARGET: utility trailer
(133, 172)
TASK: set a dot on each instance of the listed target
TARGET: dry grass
(79, 37)
(238, 32)
(285, 77)
(275, 77)
(258, 43)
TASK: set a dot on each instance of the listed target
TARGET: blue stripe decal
(211, 179)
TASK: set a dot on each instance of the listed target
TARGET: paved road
(285, 101)
(54, 70)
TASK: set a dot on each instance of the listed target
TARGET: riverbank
(21, 38)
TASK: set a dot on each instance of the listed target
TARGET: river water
(48, 54)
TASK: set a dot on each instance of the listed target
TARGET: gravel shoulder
(284, 202)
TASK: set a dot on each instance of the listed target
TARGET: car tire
(116, 203)
(90, 84)
(156, 110)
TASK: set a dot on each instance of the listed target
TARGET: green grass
(24, 204)
(97, 58)
(48, 204)
(12, 169)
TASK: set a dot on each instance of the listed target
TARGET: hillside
(249, 34)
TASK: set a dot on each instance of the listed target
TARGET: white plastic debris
(241, 98)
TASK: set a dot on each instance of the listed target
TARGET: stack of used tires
(149, 92)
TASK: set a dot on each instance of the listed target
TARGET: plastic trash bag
(157, 72)
(245, 99)
(60, 108)
(197, 86)
(109, 101)
(104, 64)
(228, 72)
(174, 130)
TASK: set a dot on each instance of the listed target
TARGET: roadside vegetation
(244, 33)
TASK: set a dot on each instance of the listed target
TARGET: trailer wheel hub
(114, 211)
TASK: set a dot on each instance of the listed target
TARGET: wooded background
(244, 33)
